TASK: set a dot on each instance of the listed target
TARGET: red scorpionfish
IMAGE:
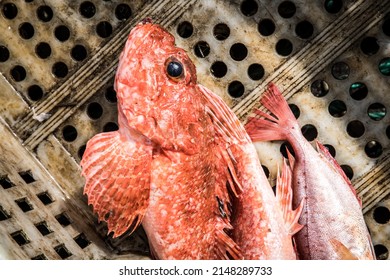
(183, 165)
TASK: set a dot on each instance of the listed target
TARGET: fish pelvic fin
(226, 247)
(284, 196)
(342, 251)
(117, 173)
(332, 161)
(274, 126)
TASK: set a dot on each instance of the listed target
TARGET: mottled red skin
(165, 120)
(177, 147)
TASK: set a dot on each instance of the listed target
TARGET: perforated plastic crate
(57, 64)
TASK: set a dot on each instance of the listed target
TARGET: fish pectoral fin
(117, 173)
(332, 161)
(342, 251)
(284, 197)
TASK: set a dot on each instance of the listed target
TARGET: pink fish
(334, 226)
(177, 162)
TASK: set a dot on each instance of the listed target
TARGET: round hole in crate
(87, 9)
(26, 30)
(111, 94)
(369, 46)
(388, 132)
(381, 215)
(337, 108)
(81, 151)
(123, 11)
(358, 91)
(256, 71)
(309, 131)
(94, 110)
(10, 11)
(202, 49)
(4, 54)
(69, 133)
(104, 29)
(386, 26)
(221, 31)
(347, 170)
(333, 6)
(18, 73)
(238, 51)
(287, 9)
(330, 149)
(62, 33)
(373, 149)
(78, 52)
(283, 149)
(355, 129)
(60, 69)
(295, 110)
(319, 88)
(35, 92)
(266, 170)
(304, 29)
(218, 69)
(340, 70)
(376, 111)
(185, 29)
(249, 7)
(266, 27)
(110, 126)
(45, 13)
(381, 252)
(284, 47)
(236, 89)
(384, 66)
(43, 50)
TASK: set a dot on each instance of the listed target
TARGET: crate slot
(27, 176)
(20, 237)
(3, 214)
(39, 257)
(24, 204)
(45, 198)
(43, 228)
(62, 251)
(63, 219)
(5, 182)
(82, 240)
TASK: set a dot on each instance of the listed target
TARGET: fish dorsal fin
(284, 196)
(324, 152)
(342, 251)
(229, 131)
(117, 173)
(223, 117)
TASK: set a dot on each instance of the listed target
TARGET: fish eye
(175, 69)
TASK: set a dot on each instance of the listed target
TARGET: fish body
(180, 162)
(334, 226)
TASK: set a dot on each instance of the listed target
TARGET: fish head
(157, 90)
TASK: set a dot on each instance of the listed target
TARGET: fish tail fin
(342, 251)
(117, 173)
(284, 197)
(272, 127)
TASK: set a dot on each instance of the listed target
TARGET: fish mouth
(147, 20)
